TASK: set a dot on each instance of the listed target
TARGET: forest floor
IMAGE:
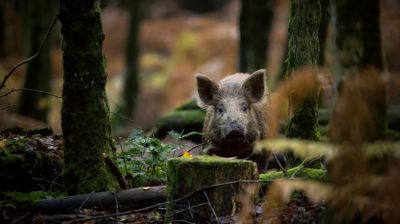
(28, 183)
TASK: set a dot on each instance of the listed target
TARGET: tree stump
(196, 188)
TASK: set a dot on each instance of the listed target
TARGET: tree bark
(85, 112)
(131, 83)
(254, 25)
(358, 36)
(359, 58)
(37, 17)
(323, 30)
(303, 52)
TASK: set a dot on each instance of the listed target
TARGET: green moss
(181, 121)
(186, 175)
(183, 117)
(28, 198)
(23, 158)
(299, 171)
(188, 105)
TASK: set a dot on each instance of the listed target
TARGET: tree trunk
(85, 112)
(323, 30)
(37, 17)
(303, 52)
(358, 36)
(362, 92)
(254, 25)
(131, 83)
(2, 29)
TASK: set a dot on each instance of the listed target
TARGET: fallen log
(126, 199)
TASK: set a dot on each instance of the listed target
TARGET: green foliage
(144, 157)
(297, 172)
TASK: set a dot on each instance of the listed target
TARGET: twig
(47, 181)
(124, 158)
(21, 218)
(184, 209)
(115, 171)
(178, 199)
(86, 200)
(211, 207)
(284, 170)
(116, 208)
(3, 83)
(193, 147)
(190, 210)
(303, 165)
(30, 90)
(54, 181)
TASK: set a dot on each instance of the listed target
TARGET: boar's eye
(245, 108)
(220, 109)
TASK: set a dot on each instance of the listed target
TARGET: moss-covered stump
(187, 187)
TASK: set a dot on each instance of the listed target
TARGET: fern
(180, 136)
(144, 158)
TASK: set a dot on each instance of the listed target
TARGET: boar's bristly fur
(236, 113)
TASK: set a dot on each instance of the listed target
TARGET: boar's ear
(255, 85)
(206, 89)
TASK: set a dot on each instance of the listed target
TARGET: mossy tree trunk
(131, 82)
(359, 57)
(37, 17)
(303, 52)
(85, 112)
(254, 25)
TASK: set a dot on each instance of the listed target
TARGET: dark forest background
(175, 39)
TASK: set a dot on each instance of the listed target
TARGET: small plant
(143, 158)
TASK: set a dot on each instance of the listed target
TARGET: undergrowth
(143, 158)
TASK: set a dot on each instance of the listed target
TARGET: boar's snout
(234, 133)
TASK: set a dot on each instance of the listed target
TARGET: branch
(30, 90)
(178, 199)
(115, 171)
(21, 218)
(3, 83)
(211, 207)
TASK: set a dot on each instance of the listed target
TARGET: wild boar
(235, 114)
